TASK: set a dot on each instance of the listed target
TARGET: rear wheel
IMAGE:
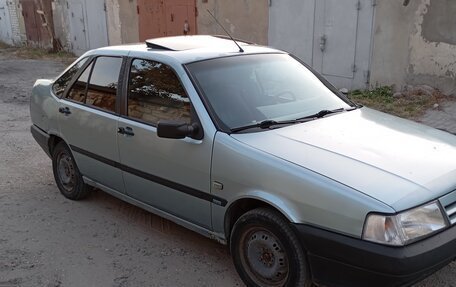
(66, 173)
(266, 251)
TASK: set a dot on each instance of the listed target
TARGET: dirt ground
(47, 240)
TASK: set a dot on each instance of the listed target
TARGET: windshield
(249, 89)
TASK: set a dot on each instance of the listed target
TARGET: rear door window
(61, 83)
(102, 89)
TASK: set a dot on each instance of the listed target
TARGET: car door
(172, 175)
(88, 121)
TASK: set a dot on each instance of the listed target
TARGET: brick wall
(17, 36)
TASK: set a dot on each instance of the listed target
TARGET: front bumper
(338, 260)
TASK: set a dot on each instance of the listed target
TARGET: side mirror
(176, 129)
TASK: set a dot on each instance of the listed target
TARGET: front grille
(449, 203)
(451, 212)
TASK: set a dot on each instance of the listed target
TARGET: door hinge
(270, 3)
(196, 11)
(323, 40)
(104, 7)
(367, 75)
(358, 5)
(354, 68)
(374, 2)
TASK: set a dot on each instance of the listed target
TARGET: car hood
(396, 161)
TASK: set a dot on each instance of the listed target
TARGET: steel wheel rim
(264, 258)
(66, 171)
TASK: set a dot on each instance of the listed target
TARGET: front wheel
(66, 173)
(266, 252)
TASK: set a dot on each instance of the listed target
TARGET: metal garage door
(87, 23)
(158, 18)
(334, 36)
(78, 38)
(38, 22)
(96, 24)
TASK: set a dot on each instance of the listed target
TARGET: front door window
(155, 93)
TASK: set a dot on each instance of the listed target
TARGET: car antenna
(240, 49)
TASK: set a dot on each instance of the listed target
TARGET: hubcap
(66, 171)
(265, 257)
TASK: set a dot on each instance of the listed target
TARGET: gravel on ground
(47, 240)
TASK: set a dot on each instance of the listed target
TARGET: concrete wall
(113, 22)
(129, 21)
(61, 27)
(6, 35)
(415, 44)
(21, 22)
(244, 19)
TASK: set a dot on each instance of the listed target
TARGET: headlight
(405, 227)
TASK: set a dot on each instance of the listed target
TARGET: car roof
(186, 49)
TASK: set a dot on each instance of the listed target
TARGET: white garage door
(333, 36)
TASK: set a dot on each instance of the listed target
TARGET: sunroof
(181, 43)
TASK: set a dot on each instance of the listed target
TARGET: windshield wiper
(323, 113)
(266, 124)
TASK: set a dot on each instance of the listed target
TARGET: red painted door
(180, 18)
(38, 20)
(32, 26)
(149, 19)
(159, 18)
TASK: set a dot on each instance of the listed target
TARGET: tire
(66, 173)
(266, 252)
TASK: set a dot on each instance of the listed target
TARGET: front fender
(301, 195)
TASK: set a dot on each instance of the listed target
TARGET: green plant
(4, 45)
(409, 105)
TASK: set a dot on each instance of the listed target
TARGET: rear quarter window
(77, 92)
(97, 85)
(61, 83)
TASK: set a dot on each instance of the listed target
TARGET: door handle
(64, 110)
(125, 131)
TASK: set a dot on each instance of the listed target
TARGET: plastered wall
(61, 27)
(415, 44)
(129, 21)
(113, 22)
(244, 19)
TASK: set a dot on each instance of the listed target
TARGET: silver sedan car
(249, 146)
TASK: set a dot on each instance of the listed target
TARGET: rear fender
(44, 107)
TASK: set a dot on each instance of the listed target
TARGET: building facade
(12, 30)
(415, 44)
(355, 44)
